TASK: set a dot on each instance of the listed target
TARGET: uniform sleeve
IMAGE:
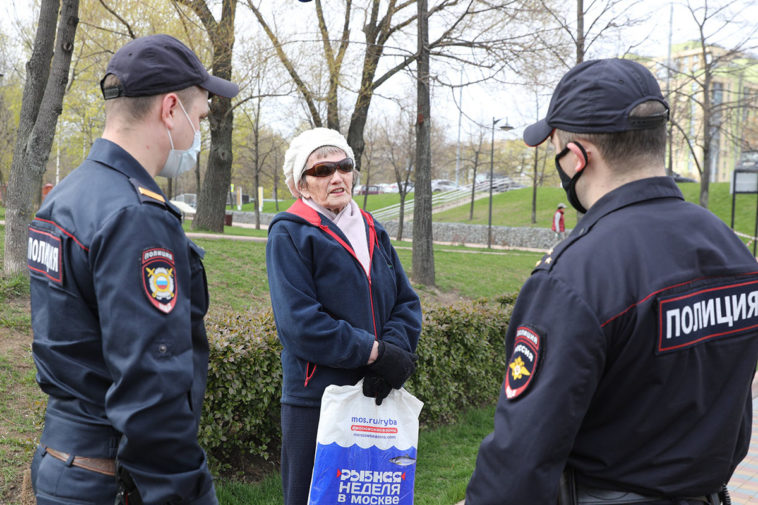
(304, 327)
(538, 418)
(141, 272)
(404, 325)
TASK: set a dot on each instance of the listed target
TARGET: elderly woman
(343, 305)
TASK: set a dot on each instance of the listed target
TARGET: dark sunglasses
(327, 168)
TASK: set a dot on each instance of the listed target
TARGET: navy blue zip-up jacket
(631, 351)
(327, 310)
(118, 295)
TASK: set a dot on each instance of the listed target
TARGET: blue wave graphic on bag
(369, 476)
(365, 454)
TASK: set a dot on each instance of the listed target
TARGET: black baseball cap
(597, 96)
(158, 64)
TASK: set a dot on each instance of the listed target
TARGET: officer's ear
(169, 103)
(582, 158)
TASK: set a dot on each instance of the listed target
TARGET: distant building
(734, 99)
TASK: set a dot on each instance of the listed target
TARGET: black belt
(593, 496)
(575, 493)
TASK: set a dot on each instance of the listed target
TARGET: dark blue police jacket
(328, 311)
(631, 351)
(118, 297)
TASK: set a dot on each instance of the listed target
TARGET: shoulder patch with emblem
(522, 368)
(159, 278)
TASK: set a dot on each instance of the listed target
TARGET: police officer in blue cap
(119, 294)
(633, 344)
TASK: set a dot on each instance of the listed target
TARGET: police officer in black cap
(632, 346)
(118, 297)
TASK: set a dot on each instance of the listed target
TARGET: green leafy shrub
(241, 408)
(461, 365)
(461, 359)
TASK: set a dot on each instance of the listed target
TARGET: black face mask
(569, 183)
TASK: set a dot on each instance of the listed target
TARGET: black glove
(393, 364)
(374, 386)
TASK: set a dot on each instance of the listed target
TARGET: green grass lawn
(513, 208)
(474, 273)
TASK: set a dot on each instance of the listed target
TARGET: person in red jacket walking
(558, 226)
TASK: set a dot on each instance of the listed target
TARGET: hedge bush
(461, 364)
(461, 359)
(241, 408)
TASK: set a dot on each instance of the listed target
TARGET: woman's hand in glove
(394, 365)
(374, 386)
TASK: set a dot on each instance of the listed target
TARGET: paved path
(744, 484)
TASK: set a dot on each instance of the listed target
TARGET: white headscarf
(302, 146)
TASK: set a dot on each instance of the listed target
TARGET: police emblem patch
(159, 278)
(522, 368)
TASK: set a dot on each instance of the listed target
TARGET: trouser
(74, 471)
(57, 482)
(299, 428)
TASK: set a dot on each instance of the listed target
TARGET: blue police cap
(597, 96)
(158, 64)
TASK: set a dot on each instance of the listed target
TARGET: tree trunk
(211, 199)
(41, 106)
(257, 163)
(473, 183)
(705, 176)
(276, 180)
(198, 185)
(536, 163)
(423, 250)
(360, 112)
(365, 186)
(579, 31)
(534, 185)
(401, 216)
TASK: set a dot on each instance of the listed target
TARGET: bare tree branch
(120, 19)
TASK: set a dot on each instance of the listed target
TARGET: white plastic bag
(365, 453)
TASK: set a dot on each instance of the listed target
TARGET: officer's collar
(114, 156)
(630, 193)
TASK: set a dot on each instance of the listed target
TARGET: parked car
(367, 190)
(188, 198)
(443, 185)
(188, 211)
(409, 187)
(680, 178)
(500, 183)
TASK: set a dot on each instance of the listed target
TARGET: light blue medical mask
(180, 161)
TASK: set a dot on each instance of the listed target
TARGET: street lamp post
(504, 127)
